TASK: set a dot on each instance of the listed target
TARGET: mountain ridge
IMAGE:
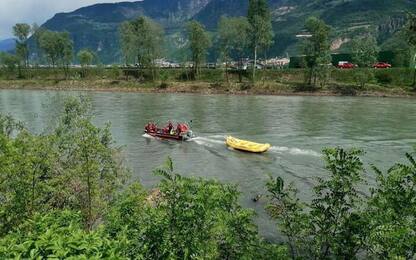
(7, 45)
(96, 26)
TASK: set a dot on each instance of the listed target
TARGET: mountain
(96, 26)
(7, 45)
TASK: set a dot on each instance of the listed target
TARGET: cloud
(36, 11)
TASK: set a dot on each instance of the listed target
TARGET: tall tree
(85, 58)
(365, 51)
(127, 42)
(10, 63)
(144, 39)
(261, 32)
(58, 48)
(22, 32)
(36, 35)
(410, 32)
(316, 47)
(199, 42)
(233, 38)
(150, 39)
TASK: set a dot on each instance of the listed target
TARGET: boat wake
(206, 141)
(217, 140)
(148, 136)
(294, 151)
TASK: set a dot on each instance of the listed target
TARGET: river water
(297, 127)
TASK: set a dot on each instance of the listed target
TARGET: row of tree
(236, 35)
(64, 195)
(56, 48)
(142, 40)
(364, 49)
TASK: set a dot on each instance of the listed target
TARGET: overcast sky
(31, 11)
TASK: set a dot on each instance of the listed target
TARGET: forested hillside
(96, 27)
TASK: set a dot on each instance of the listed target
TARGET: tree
(22, 32)
(198, 42)
(365, 51)
(10, 62)
(410, 33)
(201, 216)
(261, 33)
(74, 167)
(332, 225)
(85, 58)
(233, 39)
(391, 212)
(142, 38)
(87, 156)
(58, 48)
(285, 207)
(150, 39)
(127, 42)
(316, 48)
(36, 34)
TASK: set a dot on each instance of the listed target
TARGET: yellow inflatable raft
(246, 146)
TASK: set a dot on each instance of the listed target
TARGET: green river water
(297, 127)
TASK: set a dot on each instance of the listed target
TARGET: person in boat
(168, 129)
(178, 129)
(151, 127)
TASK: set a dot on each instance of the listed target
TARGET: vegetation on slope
(95, 27)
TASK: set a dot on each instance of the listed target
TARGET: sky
(31, 11)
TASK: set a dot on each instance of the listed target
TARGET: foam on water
(216, 140)
(210, 142)
(294, 151)
(148, 136)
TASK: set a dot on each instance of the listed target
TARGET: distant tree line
(47, 47)
(142, 42)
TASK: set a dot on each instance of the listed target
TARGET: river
(297, 127)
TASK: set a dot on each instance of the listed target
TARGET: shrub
(391, 213)
(58, 235)
(363, 77)
(186, 218)
(330, 226)
(384, 77)
(74, 167)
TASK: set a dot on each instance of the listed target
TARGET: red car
(346, 65)
(382, 65)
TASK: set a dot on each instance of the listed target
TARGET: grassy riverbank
(359, 82)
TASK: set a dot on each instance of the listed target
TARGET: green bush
(363, 77)
(203, 217)
(341, 223)
(58, 235)
(384, 77)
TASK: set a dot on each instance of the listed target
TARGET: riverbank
(205, 87)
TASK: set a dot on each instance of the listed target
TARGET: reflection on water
(297, 127)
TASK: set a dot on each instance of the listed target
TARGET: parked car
(382, 65)
(346, 65)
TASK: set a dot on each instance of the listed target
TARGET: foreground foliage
(341, 223)
(58, 235)
(186, 218)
